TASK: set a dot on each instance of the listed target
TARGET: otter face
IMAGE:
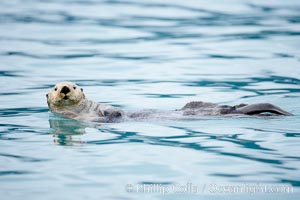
(64, 94)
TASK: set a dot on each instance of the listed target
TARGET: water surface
(139, 55)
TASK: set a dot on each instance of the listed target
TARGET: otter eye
(55, 89)
(81, 89)
(74, 88)
(47, 95)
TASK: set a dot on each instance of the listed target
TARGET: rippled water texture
(141, 55)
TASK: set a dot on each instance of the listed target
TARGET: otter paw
(70, 115)
(112, 113)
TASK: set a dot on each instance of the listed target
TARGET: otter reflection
(66, 131)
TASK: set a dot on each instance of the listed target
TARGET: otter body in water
(69, 100)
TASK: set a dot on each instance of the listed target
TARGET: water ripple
(23, 158)
(147, 54)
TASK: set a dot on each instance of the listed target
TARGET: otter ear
(81, 89)
(47, 95)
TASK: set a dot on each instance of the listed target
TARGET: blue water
(140, 55)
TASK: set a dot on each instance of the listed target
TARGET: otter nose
(65, 90)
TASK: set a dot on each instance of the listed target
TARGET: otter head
(64, 94)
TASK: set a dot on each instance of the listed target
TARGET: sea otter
(69, 100)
